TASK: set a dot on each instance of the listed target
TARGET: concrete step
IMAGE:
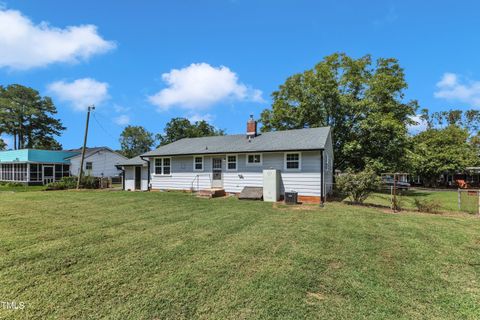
(211, 193)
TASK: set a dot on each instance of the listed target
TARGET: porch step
(211, 193)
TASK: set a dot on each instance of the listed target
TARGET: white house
(98, 162)
(304, 158)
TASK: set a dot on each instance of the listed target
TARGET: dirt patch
(315, 297)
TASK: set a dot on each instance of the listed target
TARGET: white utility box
(271, 185)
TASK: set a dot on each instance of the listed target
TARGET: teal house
(35, 167)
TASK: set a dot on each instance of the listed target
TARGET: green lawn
(20, 188)
(121, 255)
(447, 200)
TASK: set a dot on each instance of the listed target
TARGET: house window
(89, 166)
(232, 162)
(254, 159)
(198, 163)
(292, 161)
(162, 166)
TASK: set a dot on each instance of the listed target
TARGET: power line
(101, 127)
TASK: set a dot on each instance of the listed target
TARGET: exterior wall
(130, 178)
(102, 161)
(182, 176)
(305, 181)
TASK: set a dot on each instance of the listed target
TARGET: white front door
(48, 174)
(217, 175)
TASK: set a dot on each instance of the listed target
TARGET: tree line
(362, 99)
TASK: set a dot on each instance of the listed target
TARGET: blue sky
(144, 62)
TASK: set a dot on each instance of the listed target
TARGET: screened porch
(33, 173)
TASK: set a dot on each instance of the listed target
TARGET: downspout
(322, 181)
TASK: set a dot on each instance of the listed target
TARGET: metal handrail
(197, 178)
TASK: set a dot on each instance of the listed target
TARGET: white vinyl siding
(305, 181)
(181, 181)
(103, 162)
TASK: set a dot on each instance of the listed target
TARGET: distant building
(37, 167)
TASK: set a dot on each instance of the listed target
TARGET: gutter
(224, 152)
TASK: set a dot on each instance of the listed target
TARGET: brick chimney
(251, 127)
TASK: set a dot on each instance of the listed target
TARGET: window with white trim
(292, 161)
(89, 166)
(198, 163)
(232, 162)
(254, 159)
(162, 166)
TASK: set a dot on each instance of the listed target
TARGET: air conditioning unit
(271, 185)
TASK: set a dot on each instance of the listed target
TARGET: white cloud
(122, 120)
(120, 109)
(199, 117)
(24, 45)
(80, 93)
(451, 88)
(419, 127)
(199, 86)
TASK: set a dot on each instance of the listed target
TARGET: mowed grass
(447, 200)
(20, 188)
(121, 255)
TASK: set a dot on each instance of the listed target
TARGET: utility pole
(90, 108)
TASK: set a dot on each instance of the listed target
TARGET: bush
(70, 182)
(14, 184)
(87, 182)
(429, 206)
(358, 186)
(56, 186)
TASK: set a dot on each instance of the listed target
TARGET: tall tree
(361, 100)
(179, 128)
(436, 151)
(29, 118)
(466, 119)
(135, 140)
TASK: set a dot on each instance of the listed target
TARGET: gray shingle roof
(137, 161)
(289, 140)
(91, 151)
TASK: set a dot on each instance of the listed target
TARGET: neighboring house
(135, 174)
(304, 158)
(36, 167)
(98, 162)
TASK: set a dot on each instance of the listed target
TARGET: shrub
(70, 182)
(87, 182)
(358, 186)
(429, 206)
(56, 186)
(14, 184)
